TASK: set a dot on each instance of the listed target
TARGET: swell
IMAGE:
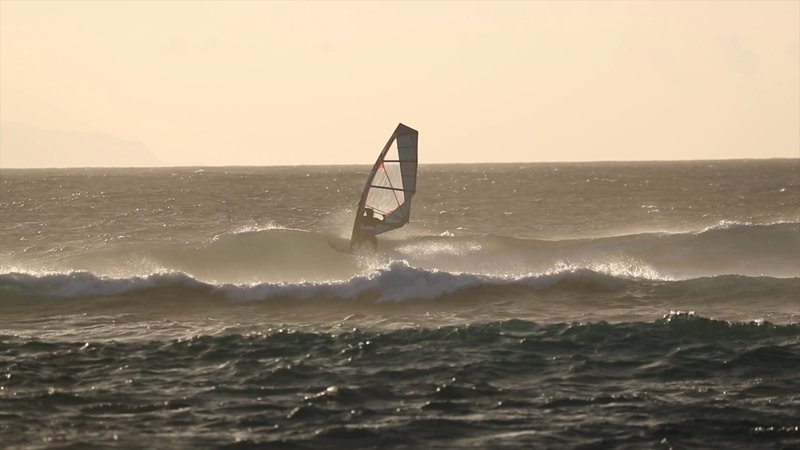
(726, 248)
(399, 281)
(778, 242)
(275, 254)
(670, 329)
(466, 362)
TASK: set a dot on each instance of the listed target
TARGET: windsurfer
(368, 228)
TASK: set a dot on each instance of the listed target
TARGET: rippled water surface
(593, 305)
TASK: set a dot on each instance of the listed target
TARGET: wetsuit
(368, 230)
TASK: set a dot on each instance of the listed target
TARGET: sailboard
(391, 184)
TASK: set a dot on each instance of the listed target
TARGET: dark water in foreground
(609, 305)
(681, 382)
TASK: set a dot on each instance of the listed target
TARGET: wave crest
(396, 281)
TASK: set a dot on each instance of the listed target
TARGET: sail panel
(386, 190)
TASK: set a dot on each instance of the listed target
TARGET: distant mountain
(23, 146)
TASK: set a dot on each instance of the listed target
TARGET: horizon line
(423, 163)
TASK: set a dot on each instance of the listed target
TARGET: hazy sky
(259, 83)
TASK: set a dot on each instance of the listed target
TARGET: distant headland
(25, 146)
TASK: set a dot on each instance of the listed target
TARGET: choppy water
(609, 305)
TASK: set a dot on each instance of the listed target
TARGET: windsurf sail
(391, 184)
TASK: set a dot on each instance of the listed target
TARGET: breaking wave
(398, 281)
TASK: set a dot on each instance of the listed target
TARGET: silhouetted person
(368, 228)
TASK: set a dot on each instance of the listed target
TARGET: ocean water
(585, 305)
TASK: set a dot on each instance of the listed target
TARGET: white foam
(438, 248)
(725, 225)
(80, 284)
(395, 281)
(245, 229)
